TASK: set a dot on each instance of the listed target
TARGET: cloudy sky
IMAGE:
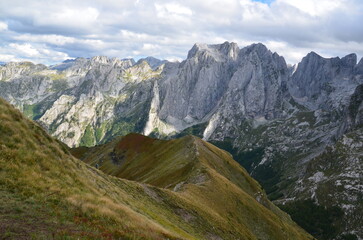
(47, 31)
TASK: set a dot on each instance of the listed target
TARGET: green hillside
(45, 193)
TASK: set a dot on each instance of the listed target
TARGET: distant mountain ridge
(273, 118)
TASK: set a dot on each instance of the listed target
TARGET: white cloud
(65, 16)
(168, 29)
(129, 35)
(27, 52)
(313, 7)
(9, 58)
(3, 26)
(25, 49)
(172, 9)
(174, 59)
(149, 46)
(292, 54)
(52, 39)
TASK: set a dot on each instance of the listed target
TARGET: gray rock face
(334, 178)
(260, 79)
(322, 83)
(86, 102)
(191, 90)
(325, 103)
(354, 112)
(255, 88)
(27, 83)
(216, 81)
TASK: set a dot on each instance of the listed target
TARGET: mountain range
(296, 129)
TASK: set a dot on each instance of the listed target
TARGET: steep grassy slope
(200, 174)
(45, 193)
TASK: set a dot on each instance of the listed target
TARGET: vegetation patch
(88, 138)
(196, 130)
(59, 85)
(321, 222)
(33, 111)
(306, 117)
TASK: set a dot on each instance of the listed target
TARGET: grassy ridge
(48, 194)
(206, 177)
(37, 168)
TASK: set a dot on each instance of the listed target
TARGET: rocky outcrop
(325, 83)
(221, 81)
(82, 101)
(256, 91)
(191, 91)
(354, 112)
(334, 178)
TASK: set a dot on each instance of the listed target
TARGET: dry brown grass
(93, 205)
(214, 187)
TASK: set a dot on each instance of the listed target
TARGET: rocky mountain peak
(100, 59)
(350, 60)
(230, 49)
(312, 54)
(152, 61)
(193, 51)
(219, 52)
(17, 69)
(259, 54)
(311, 74)
(123, 63)
(256, 47)
(324, 82)
(24, 65)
